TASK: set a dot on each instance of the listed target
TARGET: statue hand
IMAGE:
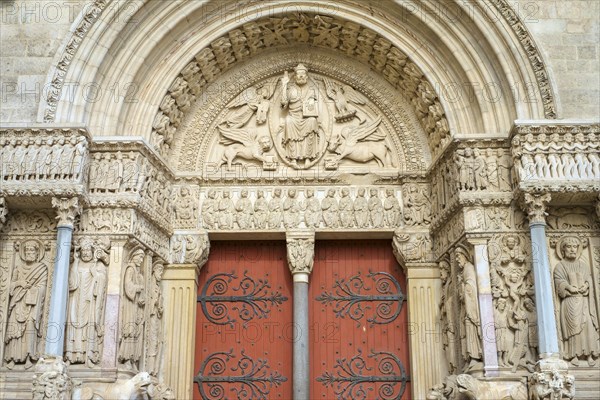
(572, 289)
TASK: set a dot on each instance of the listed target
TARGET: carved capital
(3, 211)
(535, 207)
(66, 210)
(551, 380)
(191, 247)
(51, 381)
(412, 247)
(300, 253)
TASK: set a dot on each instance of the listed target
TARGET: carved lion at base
(140, 387)
(466, 387)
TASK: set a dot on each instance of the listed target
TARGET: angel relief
(302, 121)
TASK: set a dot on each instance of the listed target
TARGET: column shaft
(486, 310)
(547, 334)
(301, 363)
(57, 316)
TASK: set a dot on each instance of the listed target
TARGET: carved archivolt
(319, 31)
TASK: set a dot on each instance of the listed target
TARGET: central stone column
(551, 371)
(66, 209)
(180, 288)
(300, 253)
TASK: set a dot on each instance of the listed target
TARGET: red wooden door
(358, 320)
(244, 328)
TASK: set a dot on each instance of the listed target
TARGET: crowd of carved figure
(556, 157)
(336, 210)
(42, 158)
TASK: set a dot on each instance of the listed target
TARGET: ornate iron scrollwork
(348, 298)
(351, 382)
(251, 381)
(251, 300)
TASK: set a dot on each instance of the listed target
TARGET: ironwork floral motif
(250, 299)
(349, 298)
(251, 379)
(353, 381)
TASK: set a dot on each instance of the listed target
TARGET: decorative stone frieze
(322, 209)
(43, 161)
(558, 157)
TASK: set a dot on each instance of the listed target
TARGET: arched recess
(135, 50)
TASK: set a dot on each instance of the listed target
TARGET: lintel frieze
(556, 157)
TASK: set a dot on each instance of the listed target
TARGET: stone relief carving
(3, 211)
(132, 318)
(448, 315)
(51, 381)
(29, 222)
(67, 209)
(300, 252)
(469, 310)
(571, 218)
(136, 387)
(417, 205)
(412, 247)
(320, 31)
(27, 298)
(536, 206)
(87, 297)
(190, 248)
(465, 386)
(36, 155)
(552, 385)
(154, 337)
(553, 154)
(577, 314)
(108, 220)
(292, 117)
(514, 307)
(303, 208)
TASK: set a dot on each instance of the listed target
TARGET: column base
(551, 380)
(50, 379)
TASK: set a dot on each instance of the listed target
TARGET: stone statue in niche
(361, 209)
(330, 208)
(261, 210)
(209, 210)
(155, 305)
(275, 210)
(291, 210)
(87, 297)
(244, 211)
(312, 210)
(301, 132)
(27, 293)
(447, 316)
(391, 208)
(362, 143)
(132, 318)
(346, 209)
(225, 211)
(375, 209)
(578, 317)
(470, 321)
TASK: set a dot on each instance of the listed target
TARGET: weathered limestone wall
(31, 34)
(567, 33)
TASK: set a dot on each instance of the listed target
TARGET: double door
(358, 331)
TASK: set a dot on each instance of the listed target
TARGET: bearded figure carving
(578, 317)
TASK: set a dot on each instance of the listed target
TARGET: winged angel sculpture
(288, 119)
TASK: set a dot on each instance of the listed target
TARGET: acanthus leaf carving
(67, 209)
(536, 206)
(300, 252)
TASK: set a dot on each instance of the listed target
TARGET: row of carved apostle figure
(54, 158)
(84, 334)
(290, 212)
(487, 169)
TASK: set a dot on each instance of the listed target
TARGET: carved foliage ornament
(66, 209)
(536, 205)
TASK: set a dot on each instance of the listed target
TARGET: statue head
(331, 193)
(345, 192)
(86, 250)
(137, 257)
(292, 193)
(389, 192)
(31, 251)
(265, 142)
(184, 191)
(211, 194)
(569, 248)
(444, 270)
(301, 74)
(510, 242)
(501, 304)
(310, 193)
(462, 257)
(277, 193)
(528, 304)
(373, 192)
(361, 192)
(157, 270)
(225, 194)
(468, 152)
(260, 194)
(244, 193)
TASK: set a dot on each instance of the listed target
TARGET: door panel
(358, 320)
(244, 324)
